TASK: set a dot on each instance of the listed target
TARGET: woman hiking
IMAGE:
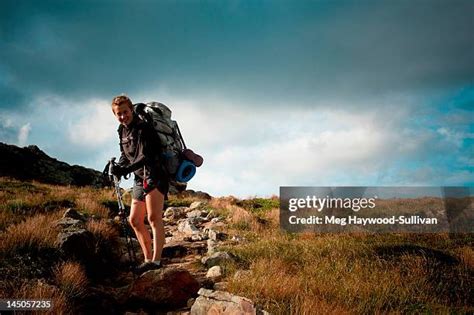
(140, 154)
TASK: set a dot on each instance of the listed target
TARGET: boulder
(214, 272)
(177, 249)
(174, 249)
(220, 302)
(195, 237)
(216, 235)
(74, 214)
(76, 243)
(167, 287)
(175, 213)
(194, 214)
(221, 286)
(215, 259)
(70, 223)
(187, 227)
(211, 247)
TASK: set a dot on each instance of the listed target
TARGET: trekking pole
(123, 217)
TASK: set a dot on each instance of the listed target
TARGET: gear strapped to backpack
(179, 162)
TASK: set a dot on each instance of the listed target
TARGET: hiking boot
(147, 266)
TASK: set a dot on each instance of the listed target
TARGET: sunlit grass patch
(259, 205)
(348, 273)
(33, 234)
(71, 279)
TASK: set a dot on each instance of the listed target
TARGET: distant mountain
(30, 163)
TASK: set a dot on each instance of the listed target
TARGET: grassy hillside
(285, 273)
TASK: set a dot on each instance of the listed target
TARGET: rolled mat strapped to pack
(185, 171)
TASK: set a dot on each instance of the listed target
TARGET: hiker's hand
(118, 170)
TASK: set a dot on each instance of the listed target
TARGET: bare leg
(154, 206)
(137, 221)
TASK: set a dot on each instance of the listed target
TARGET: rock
(195, 205)
(236, 239)
(175, 213)
(76, 243)
(121, 251)
(215, 259)
(196, 237)
(215, 220)
(211, 247)
(169, 287)
(74, 214)
(212, 234)
(187, 227)
(201, 237)
(213, 225)
(214, 272)
(220, 302)
(194, 214)
(216, 235)
(70, 223)
(220, 286)
(190, 302)
(176, 249)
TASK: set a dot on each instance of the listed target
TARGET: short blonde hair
(121, 99)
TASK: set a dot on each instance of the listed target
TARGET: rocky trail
(190, 281)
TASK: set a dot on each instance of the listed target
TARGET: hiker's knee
(155, 219)
(135, 222)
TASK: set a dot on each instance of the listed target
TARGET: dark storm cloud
(272, 51)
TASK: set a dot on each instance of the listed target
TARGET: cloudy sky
(271, 93)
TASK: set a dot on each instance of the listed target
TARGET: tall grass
(35, 233)
(71, 279)
(348, 273)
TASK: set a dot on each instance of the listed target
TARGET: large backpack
(178, 161)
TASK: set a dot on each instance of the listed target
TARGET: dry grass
(19, 200)
(106, 237)
(28, 235)
(350, 273)
(466, 256)
(102, 230)
(222, 202)
(34, 233)
(38, 290)
(71, 279)
(277, 288)
(346, 274)
(90, 200)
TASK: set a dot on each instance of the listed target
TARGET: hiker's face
(123, 113)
